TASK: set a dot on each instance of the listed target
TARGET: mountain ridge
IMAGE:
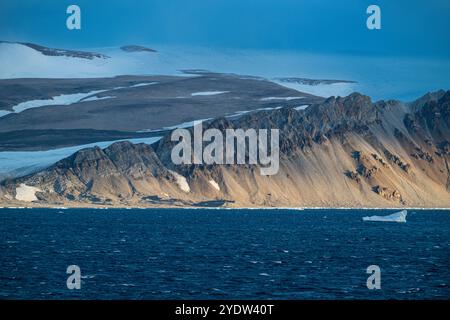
(343, 152)
(47, 51)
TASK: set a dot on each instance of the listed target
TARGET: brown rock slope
(344, 152)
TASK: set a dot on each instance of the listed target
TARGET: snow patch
(95, 98)
(302, 107)
(63, 99)
(280, 98)
(322, 90)
(183, 125)
(187, 124)
(240, 113)
(26, 193)
(4, 113)
(143, 84)
(214, 184)
(208, 93)
(395, 217)
(181, 181)
(67, 99)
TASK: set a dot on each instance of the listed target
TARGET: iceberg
(395, 217)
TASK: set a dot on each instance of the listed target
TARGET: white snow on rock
(95, 98)
(395, 217)
(280, 98)
(322, 90)
(26, 193)
(208, 93)
(241, 113)
(181, 181)
(20, 61)
(4, 113)
(143, 84)
(187, 124)
(302, 107)
(214, 184)
(63, 99)
(67, 99)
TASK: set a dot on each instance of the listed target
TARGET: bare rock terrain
(341, 152)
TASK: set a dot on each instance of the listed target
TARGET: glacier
(402, 78)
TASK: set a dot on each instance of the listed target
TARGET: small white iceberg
(395, 217)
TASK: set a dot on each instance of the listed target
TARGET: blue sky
(409, 28)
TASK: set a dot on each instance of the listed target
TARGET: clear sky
(416, 28)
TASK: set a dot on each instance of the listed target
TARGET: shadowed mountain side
(145, 103)
(15, 91)
(40, 140)
(344, 152)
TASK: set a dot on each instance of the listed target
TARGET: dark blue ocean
(222, 254)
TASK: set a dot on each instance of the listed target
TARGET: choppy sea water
(222, 254)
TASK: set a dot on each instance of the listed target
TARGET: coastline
(170, 207)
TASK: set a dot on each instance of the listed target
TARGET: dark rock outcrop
(136, 48)
(61, 52)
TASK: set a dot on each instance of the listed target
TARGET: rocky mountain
(342, 152)
(136, 48)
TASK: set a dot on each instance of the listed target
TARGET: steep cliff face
(344, 152)
(123, 172)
